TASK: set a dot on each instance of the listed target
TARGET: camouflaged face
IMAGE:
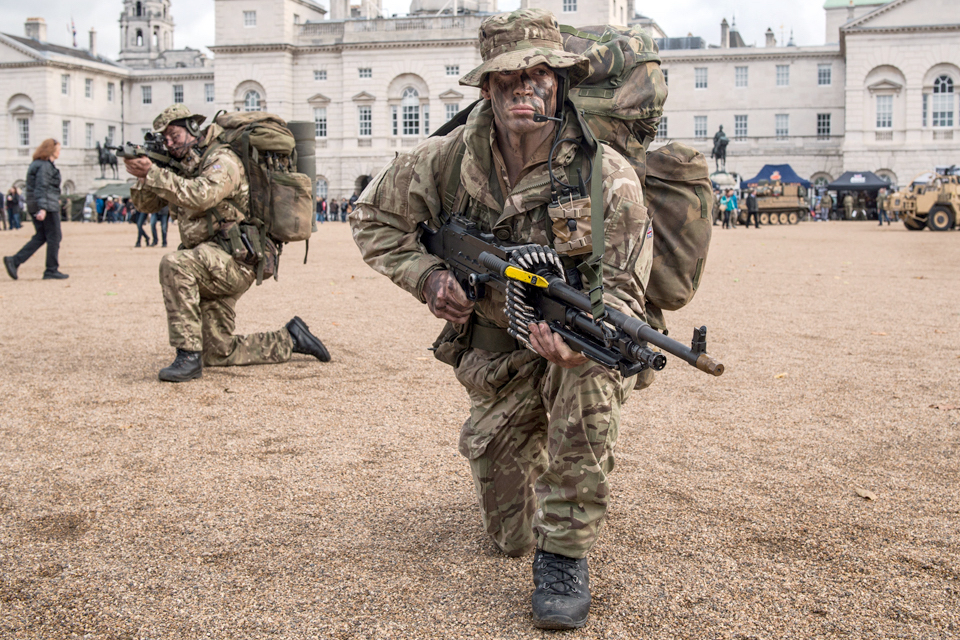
(173, 113)
(521, 40)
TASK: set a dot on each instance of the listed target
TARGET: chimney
(771, 39)
(93, 42)
(724, 34)
(850, 11)
(36, 28)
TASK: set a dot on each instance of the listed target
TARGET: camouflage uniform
(540, 438)
(202, 282)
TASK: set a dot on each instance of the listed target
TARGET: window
(208, 93)
(395, 120)
(251, 101)
(296, 18)
(322, 188)
(320, 122)
(700, 78)
(88, 137)
(569, 6)
(425, 114)
(782, 125)
(111, 134)
(365, 121)
(925, 101)
(823, 126)
(740, 76)
(139, 37)
(783, 75)
(65, 138)
(666, 76)
(662, 129)
(88, 87)
(410, 108)
(365, 72)
(451, 110)
(740, 127)
(319, 75)
(942, 106)
(178, 93)
(146, 94)
(110, 89)
(453, 69)
(824, 75)
(23, 132)
(249, 18)
(884, 112)
(700, 126)
(65, 84)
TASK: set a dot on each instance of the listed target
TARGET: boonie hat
(173, 113)
(524, 39)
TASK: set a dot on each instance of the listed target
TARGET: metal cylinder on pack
(304, 133)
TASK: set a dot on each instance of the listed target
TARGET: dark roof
(736, 40)
(858, 181)
(82, 54)
(786, 175)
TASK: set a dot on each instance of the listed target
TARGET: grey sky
(194, 19)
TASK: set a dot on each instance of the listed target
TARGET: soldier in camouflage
(202, 281)
(543, 422)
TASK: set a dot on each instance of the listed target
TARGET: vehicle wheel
(764, 218)
(940, 219)
(784, 219)
(914, 225)
(793, 217)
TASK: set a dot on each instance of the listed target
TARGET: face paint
(517, 95)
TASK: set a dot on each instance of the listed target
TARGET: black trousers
(47, 232)
(756, 218)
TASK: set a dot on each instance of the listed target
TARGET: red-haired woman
(43, 203)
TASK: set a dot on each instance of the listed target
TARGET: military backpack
(281, 200)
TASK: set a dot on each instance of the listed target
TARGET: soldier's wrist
(421, 283)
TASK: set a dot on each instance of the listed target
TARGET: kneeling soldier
(202, 282)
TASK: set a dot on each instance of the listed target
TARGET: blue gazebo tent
(776, 172)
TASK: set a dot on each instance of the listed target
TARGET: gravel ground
(811, 492)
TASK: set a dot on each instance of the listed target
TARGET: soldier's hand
(551, 346)
(446, 298)
(138, 167)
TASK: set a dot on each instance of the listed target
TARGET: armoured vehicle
(777, 203)
(931, 200)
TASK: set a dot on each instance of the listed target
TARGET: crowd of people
(335, 210)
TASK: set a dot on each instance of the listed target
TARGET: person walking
(7, 212)
(43, 203)
(141, 219)
(752, 209)
(725, 208)
(163, 217)
(13, 206)
(882, 207)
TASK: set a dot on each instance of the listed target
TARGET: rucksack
(281, 199)
(622, 101)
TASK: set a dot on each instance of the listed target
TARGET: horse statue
(107, 158)
(720, 142)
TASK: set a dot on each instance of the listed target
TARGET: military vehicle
(931, 200)
(777, 203)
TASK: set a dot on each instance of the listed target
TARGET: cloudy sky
(194, 19)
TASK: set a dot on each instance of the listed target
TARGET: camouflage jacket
(220, 184)
(409, 191)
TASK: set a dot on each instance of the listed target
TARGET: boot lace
(560, 575)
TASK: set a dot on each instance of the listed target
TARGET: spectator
(163, 217)
(101, 205)
(43, 203)
(10, 203)
(140, 218)
(752, 209)
(882, 207)
(725, 208)
(333, 210)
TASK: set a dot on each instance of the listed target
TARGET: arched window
(251, 101)
(410, 108)
(139, 37)
(942, 110)
(139, 9)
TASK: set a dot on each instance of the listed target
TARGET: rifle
(617, 341)
(152, 148)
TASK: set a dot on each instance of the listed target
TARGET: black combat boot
(562, 597)
(11, 266)
(187, 366)
(306, 342)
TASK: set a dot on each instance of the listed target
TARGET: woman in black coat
(43, 203)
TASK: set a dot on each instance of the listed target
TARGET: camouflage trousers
(540, 442)
(201, 287)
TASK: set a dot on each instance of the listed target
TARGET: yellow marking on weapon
(525, 276)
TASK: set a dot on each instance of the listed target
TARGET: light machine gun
(152, 148)
(617, 341)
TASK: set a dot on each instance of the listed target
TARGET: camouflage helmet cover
(172, 114)
(521, 40)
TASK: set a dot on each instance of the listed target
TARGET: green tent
(116, 190)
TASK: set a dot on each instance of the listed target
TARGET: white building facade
(879, 96)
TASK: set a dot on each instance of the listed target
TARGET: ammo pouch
(571, 227)
(452, 343)
(246, 245)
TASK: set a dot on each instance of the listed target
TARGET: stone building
(880, 95)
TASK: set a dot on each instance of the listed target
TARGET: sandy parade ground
(813, 491)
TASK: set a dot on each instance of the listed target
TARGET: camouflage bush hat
(524, 39)
(172, 114)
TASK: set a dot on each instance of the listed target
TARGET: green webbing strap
(453, 179)
(592, 269)
(492, 339)
(573, 31)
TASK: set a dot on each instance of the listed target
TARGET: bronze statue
(720, 142)
(107, 158)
